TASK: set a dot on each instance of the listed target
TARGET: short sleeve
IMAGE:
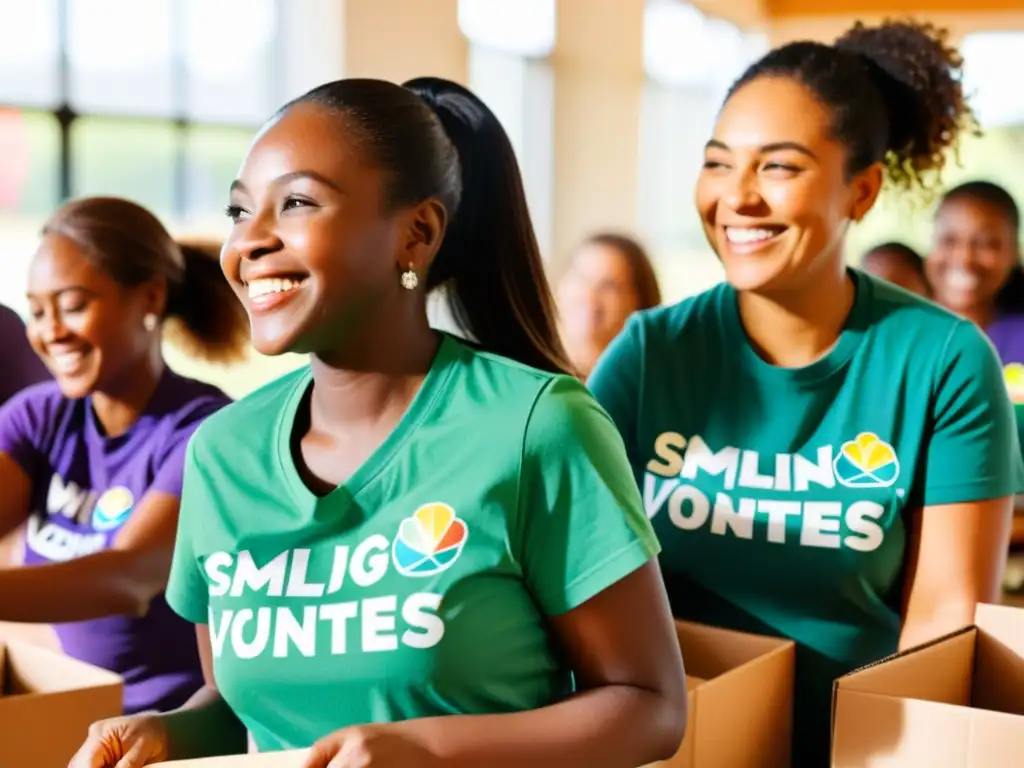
(581, 516)
(617, 381)
(171, 461)
(24, 421)
(973, 453)
(187, 592)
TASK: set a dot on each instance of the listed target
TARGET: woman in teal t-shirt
(412, 552)
(823, 456)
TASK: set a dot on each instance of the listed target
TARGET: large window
(690, 60)
(155, 101)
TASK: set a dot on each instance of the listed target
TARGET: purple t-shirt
(21, 368)
(85, 487)
(1007, 335)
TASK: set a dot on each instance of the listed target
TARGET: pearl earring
(410, 279)
(149, 322)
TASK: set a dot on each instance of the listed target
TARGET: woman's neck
(369, 383)
(982, 315)
(795, 329)
(118, 409)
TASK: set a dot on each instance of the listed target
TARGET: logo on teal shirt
(867, 461)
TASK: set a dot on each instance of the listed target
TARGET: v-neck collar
(421, 405)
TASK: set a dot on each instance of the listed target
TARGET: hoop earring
(149, 322)
(410, 279)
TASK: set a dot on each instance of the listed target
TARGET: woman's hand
(368, 746)
(123, 742)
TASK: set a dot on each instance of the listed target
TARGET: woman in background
(899, 264)
(21, 368)
(824, 457)
(610, 277)
(975, 268)
(92, 461)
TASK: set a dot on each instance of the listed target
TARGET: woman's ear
(423, 231)
(866, 186)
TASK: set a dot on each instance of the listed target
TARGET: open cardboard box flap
(731, 676)
(290, 759)
(47, 703)
(956, 702)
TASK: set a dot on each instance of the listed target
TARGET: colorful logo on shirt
(867, 461)
(428, 541)
(112, 508)
(1013, 375)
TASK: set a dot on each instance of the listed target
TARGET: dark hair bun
(918, 74)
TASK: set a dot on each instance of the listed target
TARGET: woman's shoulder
(243, 418)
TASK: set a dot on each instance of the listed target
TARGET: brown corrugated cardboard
(957, 702)
(737, 677)
(47, 703)
(291, 759)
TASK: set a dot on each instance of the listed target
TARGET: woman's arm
(956, 555)
(630, 709)
(205, 726)
(120, 581)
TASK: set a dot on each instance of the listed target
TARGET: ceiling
(919, 8)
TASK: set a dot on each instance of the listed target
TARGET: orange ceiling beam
(894, 8)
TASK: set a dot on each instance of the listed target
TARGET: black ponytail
(434, 138)
(490, 255)
(207, 320)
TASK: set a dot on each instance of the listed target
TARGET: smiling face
(84, 326)
(774, 195)
(973, 254)
(314, 252)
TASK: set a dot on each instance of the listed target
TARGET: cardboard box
(290, 759)
(47, 703)
(736, 678)
(956, 702)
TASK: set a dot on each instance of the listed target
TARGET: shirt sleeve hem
(601, 576)
(965, 493)
(188, 609)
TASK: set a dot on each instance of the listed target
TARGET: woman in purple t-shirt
(92, 461)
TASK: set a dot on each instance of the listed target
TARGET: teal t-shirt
(420, 587)
(779, 495)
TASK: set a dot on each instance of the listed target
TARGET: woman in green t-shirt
(416, 551)
(824, 456)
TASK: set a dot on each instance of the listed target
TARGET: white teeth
(67, 361)
(748, 235)
(269, 285)
(961, 280)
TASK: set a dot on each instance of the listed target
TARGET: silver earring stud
(149, 322)
(410, 280)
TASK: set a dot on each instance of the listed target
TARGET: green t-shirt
(779, 494)
(419, 587)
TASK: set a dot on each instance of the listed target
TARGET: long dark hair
(434, 138)
(130, 244)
